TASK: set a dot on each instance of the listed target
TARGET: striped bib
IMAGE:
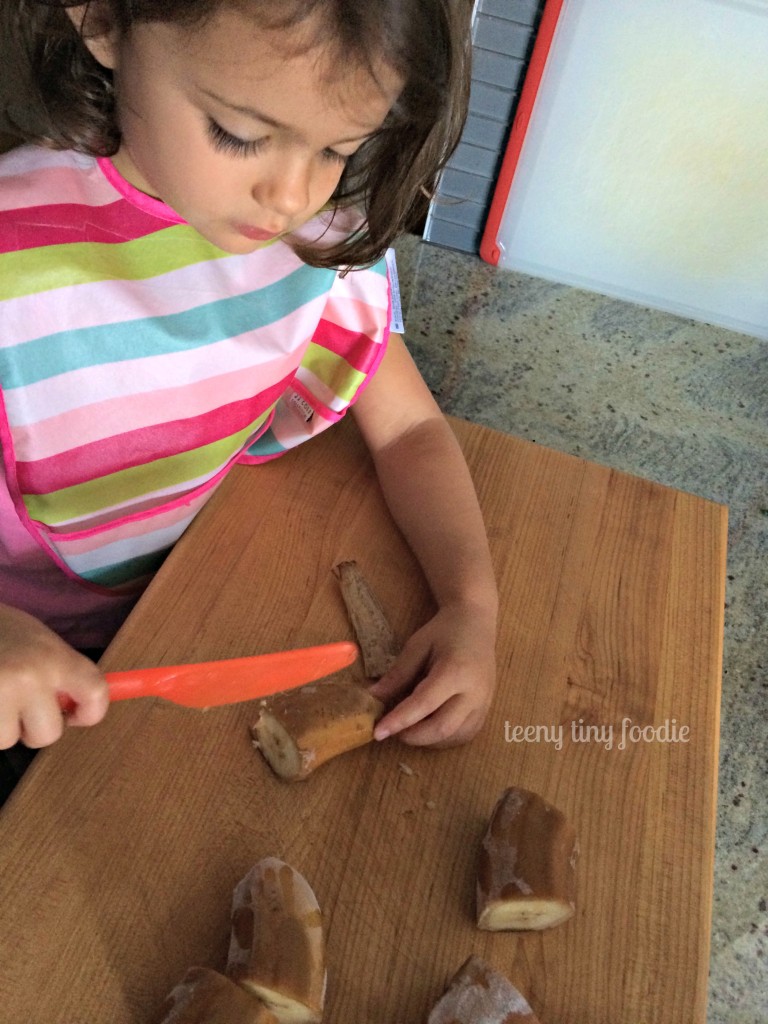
(138, 362)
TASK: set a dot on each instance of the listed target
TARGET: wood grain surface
(120, 850)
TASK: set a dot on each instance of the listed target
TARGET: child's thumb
(402, 676)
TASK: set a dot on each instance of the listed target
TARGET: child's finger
(10, 731)
(41, 724)
(408, 668)
(424, 701)
(91, 701)
(449, 727)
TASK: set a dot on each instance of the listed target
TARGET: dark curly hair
(426, 42)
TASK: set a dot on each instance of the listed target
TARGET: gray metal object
(503, 33)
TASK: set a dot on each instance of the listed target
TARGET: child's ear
(98, 32)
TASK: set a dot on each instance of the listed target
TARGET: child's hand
(451, 662)
(35, 665)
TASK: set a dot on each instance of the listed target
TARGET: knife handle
(142, 682)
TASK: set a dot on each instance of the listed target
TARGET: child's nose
(284, 189)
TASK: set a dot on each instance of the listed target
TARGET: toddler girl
(192, 276)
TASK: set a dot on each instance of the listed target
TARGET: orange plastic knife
(211, 683)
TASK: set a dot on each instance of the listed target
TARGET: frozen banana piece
(478, 994)
(277, 948)
(300, 729)
(374, 634)
(527, 871)
(207, 997)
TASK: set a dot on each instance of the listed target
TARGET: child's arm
(449, 663)
(35, 664)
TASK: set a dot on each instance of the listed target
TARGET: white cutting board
(644, 170)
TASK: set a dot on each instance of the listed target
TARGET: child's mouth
(255, 234)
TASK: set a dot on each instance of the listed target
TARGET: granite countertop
(673, 400)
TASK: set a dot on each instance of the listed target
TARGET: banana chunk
(378, 643)
(277, 948)
(526, 874)
(301, 729)
(478, 994)
(207, 997)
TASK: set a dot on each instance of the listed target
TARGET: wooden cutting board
(119, 852)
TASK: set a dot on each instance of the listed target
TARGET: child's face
(241, 137)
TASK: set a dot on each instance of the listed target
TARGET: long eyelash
(335, 158)
(229, 143)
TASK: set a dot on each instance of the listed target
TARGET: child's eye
(335, 158)
(228, 143)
